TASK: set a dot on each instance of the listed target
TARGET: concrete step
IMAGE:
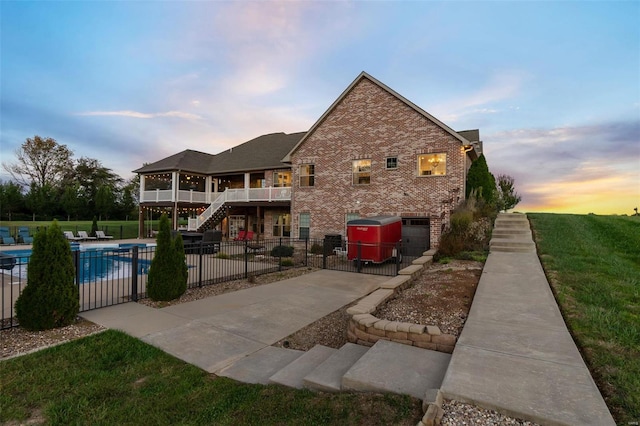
(511, 231)
(393, 367)
(293, 374)
(327, 377)
(512, 242)
(512, 216)
(501, 235)
(511, 249)
(261, 365)
(501, 223)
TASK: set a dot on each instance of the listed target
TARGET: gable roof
(263, 152)
(364, 75)
(187, 160)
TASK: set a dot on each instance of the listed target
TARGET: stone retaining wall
(366, 329)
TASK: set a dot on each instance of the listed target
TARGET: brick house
(373, 152)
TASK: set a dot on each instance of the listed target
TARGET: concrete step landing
(327, 377)
(293, 374)
(397, 368)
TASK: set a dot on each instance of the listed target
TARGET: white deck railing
(238, 196)
(157, 195)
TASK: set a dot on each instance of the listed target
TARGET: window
(303, 228)
(281, 179)
(361, 172)
(352, 216)
(307, 175)
(432, 164)
(392, 162)
(282, 225)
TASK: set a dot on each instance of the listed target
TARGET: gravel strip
(18, 341)
(458, 413)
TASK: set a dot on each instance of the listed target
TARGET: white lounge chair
(101, 235)
(69, 236)
(84, 236)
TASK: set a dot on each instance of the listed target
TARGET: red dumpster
(377, 237)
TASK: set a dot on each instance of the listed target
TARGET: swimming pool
(95, 262)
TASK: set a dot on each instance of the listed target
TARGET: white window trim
(386, 162)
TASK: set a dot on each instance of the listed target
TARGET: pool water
(96, 262)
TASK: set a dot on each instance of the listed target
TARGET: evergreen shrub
(282, 251)
(94, 227)
(51, 297)
(168, 272)
(316, 249)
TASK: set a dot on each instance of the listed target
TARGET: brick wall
(371, 123)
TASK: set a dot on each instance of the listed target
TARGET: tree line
(48, 182)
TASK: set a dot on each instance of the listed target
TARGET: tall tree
(42, 201)
(105, 201)
(507, 197)
(89, 175)
(70, 202)
(40, 161)
(480, 179)
(11, 199)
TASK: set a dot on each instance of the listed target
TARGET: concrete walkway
(515, 354)
(213, 333)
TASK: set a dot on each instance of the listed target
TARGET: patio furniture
(6, 235)
(69, 236)
(212, 239)
(241, 236)
(84, 236)
(102, 236)
(23, 235)
(7, 261)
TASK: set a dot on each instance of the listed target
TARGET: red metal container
(377, 237)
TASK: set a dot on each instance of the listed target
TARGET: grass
(593, 264)
(120, 229)
(111, 378)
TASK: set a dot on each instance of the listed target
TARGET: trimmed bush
(282, 251)
(168, 271)
(316, 249)
(51, 297)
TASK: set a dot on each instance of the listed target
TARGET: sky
(553, 86)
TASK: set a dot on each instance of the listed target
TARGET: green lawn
(111, 378)
(119, 229)
(593, 263)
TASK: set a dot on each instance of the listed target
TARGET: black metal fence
(112, 274)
